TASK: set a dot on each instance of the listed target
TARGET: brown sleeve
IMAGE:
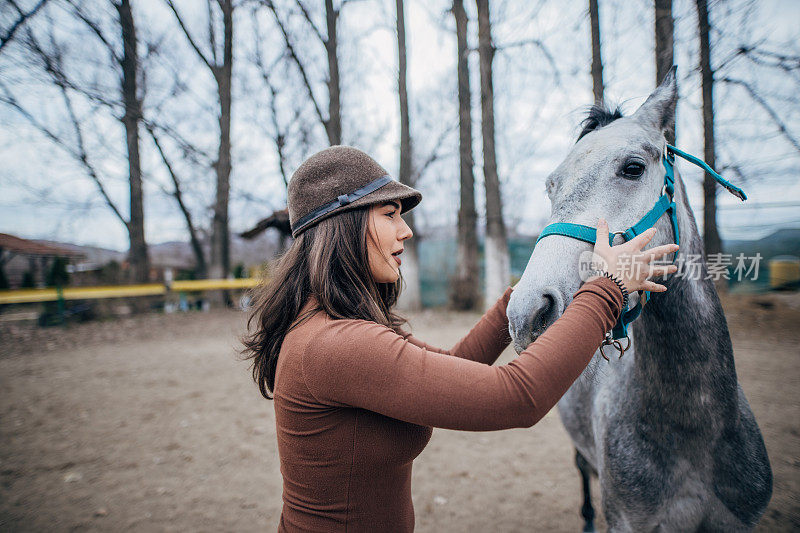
(422, 344)
(485, 341)
(362, 364)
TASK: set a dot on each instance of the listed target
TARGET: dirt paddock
(150, 423)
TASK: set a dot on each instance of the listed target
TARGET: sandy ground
(150, 423)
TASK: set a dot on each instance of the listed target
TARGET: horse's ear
(658, 111)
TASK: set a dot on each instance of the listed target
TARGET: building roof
(21, 246)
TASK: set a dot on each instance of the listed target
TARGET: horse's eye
(633, 169)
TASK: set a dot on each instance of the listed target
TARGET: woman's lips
(397, 258)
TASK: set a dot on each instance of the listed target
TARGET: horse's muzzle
(531, 314)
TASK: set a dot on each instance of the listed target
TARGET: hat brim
(408, 197)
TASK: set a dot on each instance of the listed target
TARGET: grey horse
(666, 428)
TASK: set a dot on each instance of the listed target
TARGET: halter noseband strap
(665, 204)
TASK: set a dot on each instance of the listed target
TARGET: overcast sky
(538, 105)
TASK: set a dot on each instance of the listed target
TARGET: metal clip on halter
(616, 343)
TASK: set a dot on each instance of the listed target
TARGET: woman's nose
(405, 231)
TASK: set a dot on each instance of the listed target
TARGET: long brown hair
(328, 261)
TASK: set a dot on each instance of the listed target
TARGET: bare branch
(293, 54)
(92, 25)
(279, 134)
(434, 155)
(212, 33)
(768, 58)
(54, 68)
(188, 35)
(189, 151)
(538, 44)
(178, 195)
(307, 16)
(9, 100)
(771, 112)
(83, 156)
(23, 17)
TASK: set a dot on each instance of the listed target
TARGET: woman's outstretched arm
(361, 364)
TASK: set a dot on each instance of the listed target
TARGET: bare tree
(498, 260)
(711, 240)
(124, 67)
(332, 120)
(597, 59)
(664, 36)
(220, 64)
(411, 297)
(465, 293)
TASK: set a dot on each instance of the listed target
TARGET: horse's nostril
(542, 315)
(549, 302)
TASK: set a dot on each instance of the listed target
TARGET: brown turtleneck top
(356, 402)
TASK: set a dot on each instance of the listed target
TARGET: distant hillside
(92, 254)
(179, 254)
(784, 241)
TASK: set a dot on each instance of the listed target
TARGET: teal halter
(665, 204)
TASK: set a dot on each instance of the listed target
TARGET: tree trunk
(334, 124)
(464, 290)
(597, 59)
(664, 47)
(411, 298)
(137, 254)
(711, 239)
(498, 261)
(220, 236)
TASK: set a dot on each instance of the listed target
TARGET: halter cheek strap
(664, 205)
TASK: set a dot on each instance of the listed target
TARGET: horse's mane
(599, 115)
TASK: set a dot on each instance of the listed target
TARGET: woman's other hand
(628, 263)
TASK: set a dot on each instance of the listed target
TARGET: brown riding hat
(337, 179)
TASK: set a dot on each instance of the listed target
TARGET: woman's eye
(390, 215)
(633, 169)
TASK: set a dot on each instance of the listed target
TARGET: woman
(356, 397)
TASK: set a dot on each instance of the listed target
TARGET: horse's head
(613, 171)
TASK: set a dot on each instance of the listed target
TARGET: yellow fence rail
(122, 291)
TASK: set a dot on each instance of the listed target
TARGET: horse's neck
(684, 358)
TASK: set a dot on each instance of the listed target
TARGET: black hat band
(341, 201)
